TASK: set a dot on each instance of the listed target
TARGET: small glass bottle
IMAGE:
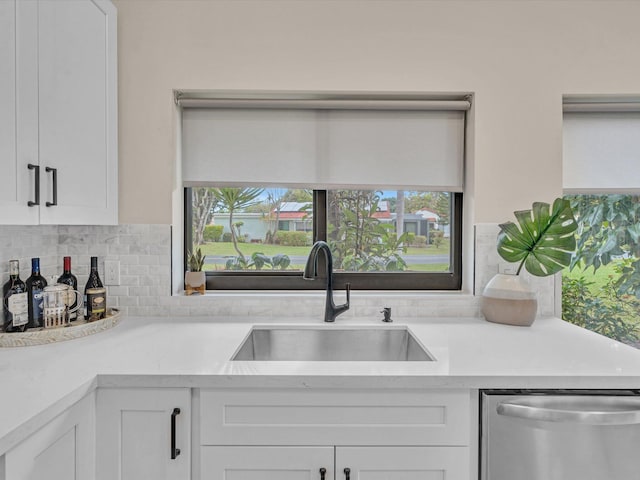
(15, 298)
(35, 286)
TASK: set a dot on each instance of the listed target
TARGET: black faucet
(331, 310)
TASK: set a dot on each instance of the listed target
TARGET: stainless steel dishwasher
(560, 435)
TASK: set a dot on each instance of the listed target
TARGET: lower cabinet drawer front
(324, 417)
(266, 463)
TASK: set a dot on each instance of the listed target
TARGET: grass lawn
(224, 249)
(599, 278)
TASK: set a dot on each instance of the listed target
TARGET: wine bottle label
(18, 305)
(96, 303)
(38, 306)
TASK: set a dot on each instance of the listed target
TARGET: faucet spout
(331, 310)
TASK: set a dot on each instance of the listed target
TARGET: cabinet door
(64, 449)
(134, 434)
(18, 111)
(77, 111)
(402, 463)
(266, 463)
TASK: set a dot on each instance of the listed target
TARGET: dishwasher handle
(575, 409)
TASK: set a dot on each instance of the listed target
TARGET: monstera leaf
(543, 240)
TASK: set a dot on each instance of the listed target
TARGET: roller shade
(369, 144)
(601, 149)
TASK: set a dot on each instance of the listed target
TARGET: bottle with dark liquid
(70, 279)
(15, 298)
(35, 285)
(95, 295)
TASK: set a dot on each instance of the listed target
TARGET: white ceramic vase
(195, 282)
(508, 299)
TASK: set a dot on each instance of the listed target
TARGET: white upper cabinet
(60, 113)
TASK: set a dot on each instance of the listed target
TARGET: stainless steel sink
(331, 344)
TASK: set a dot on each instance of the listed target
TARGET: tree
(358, 240)
(298, 195)
(442, 207)
(400, 213)
(609, 229)
(419, 201)
(204, 202)
(233, 199)
(274, 203)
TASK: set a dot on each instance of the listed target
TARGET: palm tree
(232, 199)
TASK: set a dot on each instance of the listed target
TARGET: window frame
(283, 280)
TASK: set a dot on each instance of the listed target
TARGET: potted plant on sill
(543, 243)
(195, 279)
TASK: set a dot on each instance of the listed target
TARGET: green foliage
(195, 261)
(258, 261)
(411, 238)
(212, 233)
(292, 239)
(609, 228)
(543, 240)
(437, 238)
(358, 240)
(605, 312)
(419, 241)
(226, 237)
(203, 203)
(298, 195)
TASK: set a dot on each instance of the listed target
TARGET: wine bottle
(94, 294)
(35, 285)
(70, 279)
(14, 293)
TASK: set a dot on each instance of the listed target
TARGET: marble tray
(78, 329)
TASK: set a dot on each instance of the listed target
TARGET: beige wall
(518, 57)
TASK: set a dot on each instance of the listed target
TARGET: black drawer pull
(347, 473)
(31, 166)
(174, 451)
(323, 472)
(54, 172)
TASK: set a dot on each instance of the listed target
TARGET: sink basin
(331, 344)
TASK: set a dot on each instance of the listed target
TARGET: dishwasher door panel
(595, 439)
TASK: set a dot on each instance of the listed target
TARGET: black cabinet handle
(31, 166)
(54, 172)
(323, 471)
(174, 451)
(347, 473)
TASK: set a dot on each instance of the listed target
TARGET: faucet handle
(347, 287)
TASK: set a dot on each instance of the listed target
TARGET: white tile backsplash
(145, 273)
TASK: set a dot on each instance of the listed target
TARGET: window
(601, 290)
(382, 184)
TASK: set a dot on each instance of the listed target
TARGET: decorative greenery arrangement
(258, 261)
(543, 241)
(195, 261)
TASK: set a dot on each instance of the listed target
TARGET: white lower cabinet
(291, 434)
(64, 449)
(351, 463)
(144, 434)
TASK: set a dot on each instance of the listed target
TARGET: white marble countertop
(40, 382)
